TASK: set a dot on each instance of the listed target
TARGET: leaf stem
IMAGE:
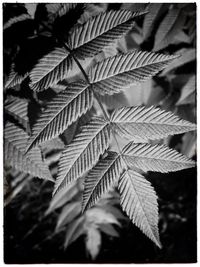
(106, 116)
(102, 108)
(87, 80)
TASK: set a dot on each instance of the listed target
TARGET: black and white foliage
(88, 155)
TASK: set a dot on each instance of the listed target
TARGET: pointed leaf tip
(139, 200)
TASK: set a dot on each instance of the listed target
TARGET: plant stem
(102, 108)
(106, 116)
(87, 80)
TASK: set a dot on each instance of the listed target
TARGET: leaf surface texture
(61, 112)
(101, 178)
(83, 152)
(116, 73)
(157, 158)
(15, 144)
(138, 199)
(50, 69)
(100, 31)
(148, 123)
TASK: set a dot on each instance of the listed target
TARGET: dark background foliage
(27, 41)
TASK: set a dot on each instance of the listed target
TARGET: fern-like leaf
(15, 144)
(62, 111)
(50, 69)
(101, 31)
(116, 73)
(83, 152)
(157, 158)
(148, 123)
(138, 199)
(101, 178)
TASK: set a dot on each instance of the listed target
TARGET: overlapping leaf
(157, 158)
(101, 178)
(86, 40)
(93, 241)
(74, 231)
(189, 145)
(12, 21)
(64, 109)
(83, 152)
(68, 214)
(18, 109)
(14, 78)
(166, 29)
(187, 55)
(65, 196)
(15, 144)
(148, 123)
(139, 201)
(188, 92)
(100, 31)
(95, 218)
(109, 230)
(99, 215)
(116, 73)
(59, 9)
(50, 69)
(12, 189)
(151, 18)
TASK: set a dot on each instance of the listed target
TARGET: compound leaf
(116, 73)
(83, 152)
(138, 199)
(148, 123)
